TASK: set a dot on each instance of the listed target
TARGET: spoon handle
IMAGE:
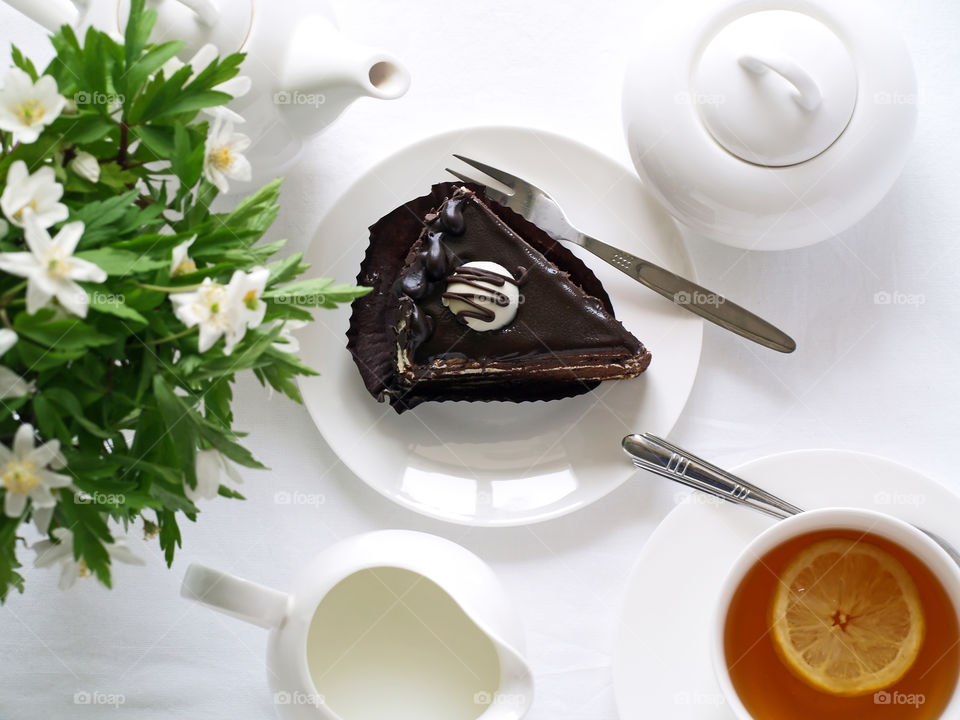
(662, 458)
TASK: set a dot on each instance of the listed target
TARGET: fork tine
(506, 178)
(492, 193)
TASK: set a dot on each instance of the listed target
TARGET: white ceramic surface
(662, 665)
(464, 577)
(504, 463)
(705, 122)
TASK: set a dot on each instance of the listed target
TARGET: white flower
(86, 166)
(4, 227)
(209, 465)
(51, 269)
(180, 263)
(223, 310)
(11, 384)
(24, 475)
(39, 193)
(223, 159)
(50, 553)
(288, 342)
(27, 108)
(236, 86)
(209, 308)
(248, 289)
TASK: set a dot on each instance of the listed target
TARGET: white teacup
(886, 526)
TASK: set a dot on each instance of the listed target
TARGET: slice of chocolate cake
(471, 301)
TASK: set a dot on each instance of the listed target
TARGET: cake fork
(665, 459)
(543, 211)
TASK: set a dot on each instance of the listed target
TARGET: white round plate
(504, 463)
(662, 665)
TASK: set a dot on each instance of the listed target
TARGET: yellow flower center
(18, 215)
(58, 264)
(185, 268)
(30, 112)
(20, 476)
(221, 158)
(250, 299)
(83, 570)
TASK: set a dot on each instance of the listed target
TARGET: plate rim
(683, 248)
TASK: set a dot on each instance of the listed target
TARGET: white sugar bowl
(769, 124)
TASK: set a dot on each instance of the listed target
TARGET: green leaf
(178, 425)
(158, 139)
(316, 292)
(150, 62)
(9, 577)
(117, 306)
(139, 25)
(122, 262)
(23, 63)
(169, 534)
(61, 334)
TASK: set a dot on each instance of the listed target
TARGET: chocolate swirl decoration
(477, 304)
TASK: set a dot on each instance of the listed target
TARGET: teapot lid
(776, 87)
(769, 124)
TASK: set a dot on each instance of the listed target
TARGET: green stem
(166, 289)
(8, 296)
(171, 338)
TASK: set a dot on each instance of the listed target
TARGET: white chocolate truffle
(482, 304)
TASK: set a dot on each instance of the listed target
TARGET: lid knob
(776, 87)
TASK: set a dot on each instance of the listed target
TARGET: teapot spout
(324, 66)
(51, 14)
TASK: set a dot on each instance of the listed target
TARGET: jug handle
(234, 596)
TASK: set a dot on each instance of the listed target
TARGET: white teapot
(769, 124)
(303, 72)
(388, 624)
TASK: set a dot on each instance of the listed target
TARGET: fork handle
(695, 298)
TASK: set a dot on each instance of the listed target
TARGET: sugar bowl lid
(771, 124)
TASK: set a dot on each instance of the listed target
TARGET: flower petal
(42, 518)
(119, 551)
(8, 338)
(37, 295)
(68, 237)
(23, 441)
(11, 384)
(73, 298)
(13, 504)
(22, 264)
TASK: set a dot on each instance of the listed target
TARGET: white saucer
(504, 463)
(662, 663)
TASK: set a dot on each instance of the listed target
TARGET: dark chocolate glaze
(372, 338)
(556, 317)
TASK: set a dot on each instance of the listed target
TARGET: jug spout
(514, 696)
(322, 65)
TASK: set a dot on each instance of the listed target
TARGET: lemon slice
(846, 617)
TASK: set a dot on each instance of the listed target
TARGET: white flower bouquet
(127, 306)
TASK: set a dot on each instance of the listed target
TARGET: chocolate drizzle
(476, 277)
(431, 265)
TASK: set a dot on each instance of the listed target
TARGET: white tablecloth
(867, 376)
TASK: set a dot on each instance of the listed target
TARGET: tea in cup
(840, 614)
